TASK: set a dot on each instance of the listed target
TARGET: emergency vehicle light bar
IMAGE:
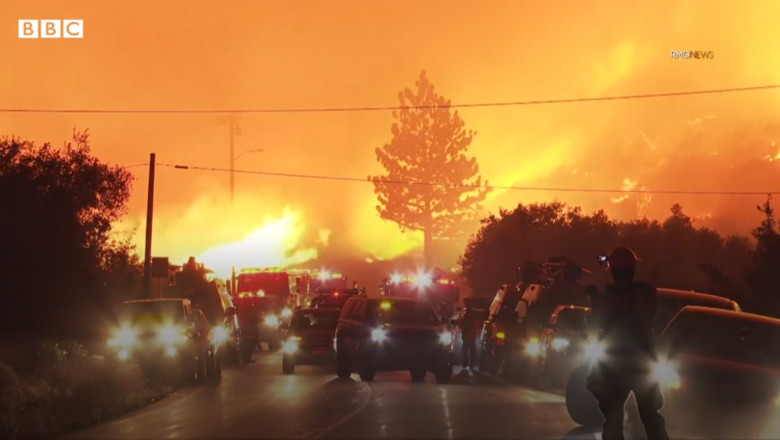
(262, 270)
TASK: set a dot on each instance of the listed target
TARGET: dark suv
(167, 336)
(392, 334)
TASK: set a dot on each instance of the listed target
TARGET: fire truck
(439, 287)
(262, 299)
(324, 279)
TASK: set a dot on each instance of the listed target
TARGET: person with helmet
(625, 314)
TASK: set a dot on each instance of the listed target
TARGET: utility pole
(149, 217)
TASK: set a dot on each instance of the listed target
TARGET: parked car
(167, 336)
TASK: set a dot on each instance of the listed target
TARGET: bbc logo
(51, 28)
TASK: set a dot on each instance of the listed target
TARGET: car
(392, 334)
(213, 298)
(557, 351)
(580, 404)
(167, 336)
(310, 338)
(262, 300)
(720, 359)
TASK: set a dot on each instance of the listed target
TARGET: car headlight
(378, 335)
(594, 351)
(664, 374)
(219, 335)
(272, 321)
(445, 338)
(560, 344)
(124, 338)
(291, 344)
(286, 313)
(534, 347)
(171, 335)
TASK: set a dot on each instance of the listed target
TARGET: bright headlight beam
(220, 335)
(272, 321)
(665, 374)
(560, 344)
(291, 345)
(445, 338)
(124, 337)
(534, 347)
(170, 335)
(595, 351)
(378, 335)
(286, 312)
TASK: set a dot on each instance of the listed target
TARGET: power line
(389, 108)
(135, 165)
(466, 186)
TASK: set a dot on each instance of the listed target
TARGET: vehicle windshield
(403, 312)
(275, 284)
(153, 312)
(311, 320)
(727, 338)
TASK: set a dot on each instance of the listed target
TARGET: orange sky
(288, 54)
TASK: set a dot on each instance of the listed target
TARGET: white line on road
(364, 393)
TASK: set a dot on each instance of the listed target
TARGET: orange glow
(145, 54)
(275, 244)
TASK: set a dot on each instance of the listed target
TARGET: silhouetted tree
(764, 277)
(56, 211)
(674, 253)
(429, 145)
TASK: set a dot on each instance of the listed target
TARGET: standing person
(625, 316)
(470, 324)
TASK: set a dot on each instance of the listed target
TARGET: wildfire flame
(277, 243)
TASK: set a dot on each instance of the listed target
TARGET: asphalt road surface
(258, 401)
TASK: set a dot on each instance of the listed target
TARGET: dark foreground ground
(258, 401)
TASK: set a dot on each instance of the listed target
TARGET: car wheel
(581, 405)
(418, 375)
(248, 349)
(367, 375)
(214, 366)
(288, 366)
(343, 369)
(201, 369)
(444, 375)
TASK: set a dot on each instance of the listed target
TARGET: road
(258, 401)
